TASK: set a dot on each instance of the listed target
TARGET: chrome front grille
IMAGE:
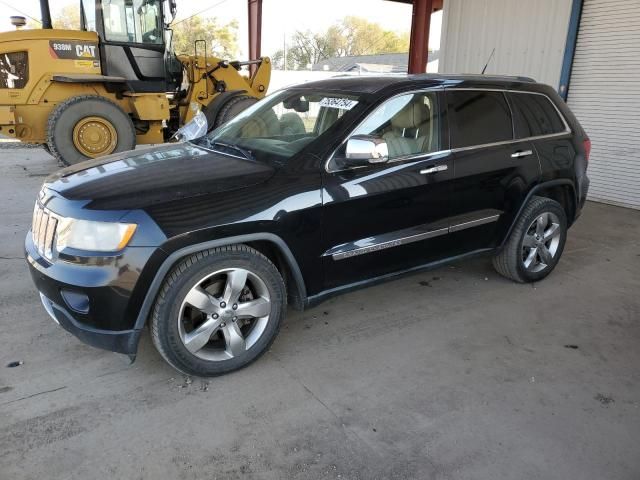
(43, 229)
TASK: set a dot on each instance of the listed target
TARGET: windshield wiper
(227, 146)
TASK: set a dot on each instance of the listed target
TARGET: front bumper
(96, 301)
(121, 341)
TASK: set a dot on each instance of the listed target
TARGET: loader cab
(134, 41)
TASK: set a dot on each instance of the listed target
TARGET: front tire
(535, 244)
(88, 126)
(218, 311)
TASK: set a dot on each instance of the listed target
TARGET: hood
(138, 179)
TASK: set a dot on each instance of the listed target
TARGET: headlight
(93, 236)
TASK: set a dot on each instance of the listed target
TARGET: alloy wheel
(540, 242)
(224, 314)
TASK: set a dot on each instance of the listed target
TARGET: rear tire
(535, 244)
(218, 311)
(88, 126)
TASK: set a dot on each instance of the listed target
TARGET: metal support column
(254, 8)
(419, 43)
(570, 48)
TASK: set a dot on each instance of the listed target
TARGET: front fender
(182, 252)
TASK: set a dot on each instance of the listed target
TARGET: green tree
(278, 59)
(352, 36)
(68, 17)
(222, 40)
(358, 36)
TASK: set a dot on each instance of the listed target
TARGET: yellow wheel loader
(116, 82)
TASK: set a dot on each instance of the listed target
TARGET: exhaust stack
(45, 13)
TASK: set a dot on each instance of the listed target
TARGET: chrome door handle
(524, 153)
(439, 168)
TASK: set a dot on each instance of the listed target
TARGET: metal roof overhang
(437, 4)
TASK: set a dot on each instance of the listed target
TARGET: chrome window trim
(414, 156)
(507, 142)
(459, 149)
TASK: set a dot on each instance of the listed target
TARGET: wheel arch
(564, 194)
(269, 244)
(562, 191)
(295, 290)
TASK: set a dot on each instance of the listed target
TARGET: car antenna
(487, 64)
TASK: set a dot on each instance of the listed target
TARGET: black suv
(315, 190)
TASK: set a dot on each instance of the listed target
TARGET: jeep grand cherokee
(315, 190)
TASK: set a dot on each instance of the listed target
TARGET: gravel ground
(13, 145)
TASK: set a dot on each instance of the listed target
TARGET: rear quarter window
(534, 115)
(478, 117)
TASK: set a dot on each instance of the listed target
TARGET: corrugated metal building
(588, 49)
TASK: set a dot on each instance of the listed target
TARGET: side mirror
(365, 150)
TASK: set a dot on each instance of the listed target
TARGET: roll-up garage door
(604, 93)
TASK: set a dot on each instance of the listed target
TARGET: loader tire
(232, 108)
(88, 126)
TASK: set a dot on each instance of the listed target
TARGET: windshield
(279, 126)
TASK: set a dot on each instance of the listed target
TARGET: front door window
(133, 21)
(408, 123)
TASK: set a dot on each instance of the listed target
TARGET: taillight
(587, 148)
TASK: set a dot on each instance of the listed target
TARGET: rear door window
(478, 117)
(534, 115)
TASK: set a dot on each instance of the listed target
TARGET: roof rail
(479, 76)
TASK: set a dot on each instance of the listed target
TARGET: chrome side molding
(389, 244)
(473, 223)
(402, 237)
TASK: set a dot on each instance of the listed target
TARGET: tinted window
(408, 123)
(534, 115)
(477, 118)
